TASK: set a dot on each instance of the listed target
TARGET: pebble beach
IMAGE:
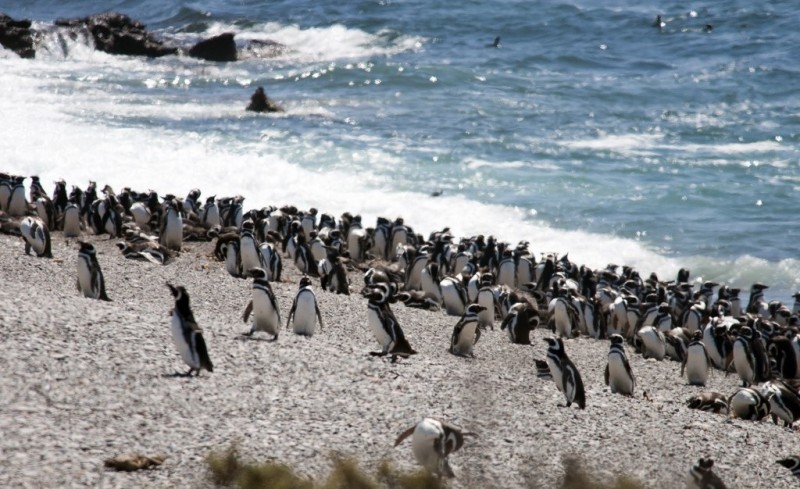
(86, 380)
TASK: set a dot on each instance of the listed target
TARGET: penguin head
(475, 308)
(305, 281)
(616, 339)
(258, 273)
(87, 248)
(555, 344)
(697, 336)
(177, 292)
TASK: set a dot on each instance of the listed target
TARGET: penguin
(414, 272)
(305, 311)
(264, 306)
(187, 335)
(432, 443)
(454, 296)
(466, 332)
(210, 214)
(487, 299)
(653, 341)
(190, 202)
(384, 324)
(72, 220)
(271, 261)
(507, 270)
(417, 300)
(561, 366)
(708, 401)
(233, 259)
(696, 363)
(17, 202)
(520, 320)
(36, 236)
(148, 251)
(90, 278)
(748, 403)
(171, 234)
(783, 402)
(782, 350)
(749, 358)
(309, 221)
(430, 282)
(250, 254)
(561, 314)
(701, 476)
(792, 463)
(757, 304)
(718, 344)
(618, 374)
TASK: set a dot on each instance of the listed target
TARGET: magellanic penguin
(17, 202)
(696, 363)
(432, 443)
(305, 310)
(90, 278)
(36, 236)
(522, 317)
(454, 296)
(618, 374)
(187, 335)
(264, 306)
(749, 358)
(466, 332)
(708, 401)
(171, 234)
(654, 342)
(701, 476)
(566, 375)
(72, 220)
(384, 324)
(783, 402)
(792, 463)
(748, 403)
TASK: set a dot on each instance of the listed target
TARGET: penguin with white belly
(264, 306)
(90, 278)
(432, 443)
(466, 332)
(305, 311)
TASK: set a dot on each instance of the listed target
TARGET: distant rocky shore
(116, 33)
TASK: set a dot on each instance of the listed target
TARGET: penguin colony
(478, 280)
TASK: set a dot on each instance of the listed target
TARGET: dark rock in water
(217, 48)
(116, 33)
(16, 36)
(259, 102)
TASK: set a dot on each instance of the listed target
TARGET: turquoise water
(589, 131)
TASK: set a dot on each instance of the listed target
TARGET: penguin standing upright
(522, 317)
(305, 310)
(264, 306)
(430, 282)
(171, 234)
(487, 299)
(17, 202)
(90, 278)
(384, 324)
(466, 332)
(618, 374)
(432, 443)
(36, 236)
(248, 248)
(187, 335)
(566, 375)
(210, 213)
(749, 358)
(454, 296)
(696, 363)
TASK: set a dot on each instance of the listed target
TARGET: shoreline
(85, 381)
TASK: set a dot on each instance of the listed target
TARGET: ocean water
(588, 131)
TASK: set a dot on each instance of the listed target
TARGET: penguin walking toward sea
(305, 311)
(90, 278)
(432, 443)
(36, 236)
(566, 375)
(187, 335)
(701, 476)
(264, 306)
(384, 325)
(618, 375)
(466, 332)
(696, 363)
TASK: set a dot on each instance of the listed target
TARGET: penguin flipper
(247, 311)
(202, 353)
(605, 374)
(404, 435)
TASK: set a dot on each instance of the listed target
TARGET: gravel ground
(86, 380)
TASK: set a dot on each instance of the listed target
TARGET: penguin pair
(187, 335)
(263, 305)
(305, 311)
(90, 278)
(432, 443)
(384, 325)
(467, 331)
(565, 374)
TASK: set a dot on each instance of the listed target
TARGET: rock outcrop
(16, 35)
(217, 48)
(116, 33)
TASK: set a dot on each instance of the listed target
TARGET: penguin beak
(173, 290)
